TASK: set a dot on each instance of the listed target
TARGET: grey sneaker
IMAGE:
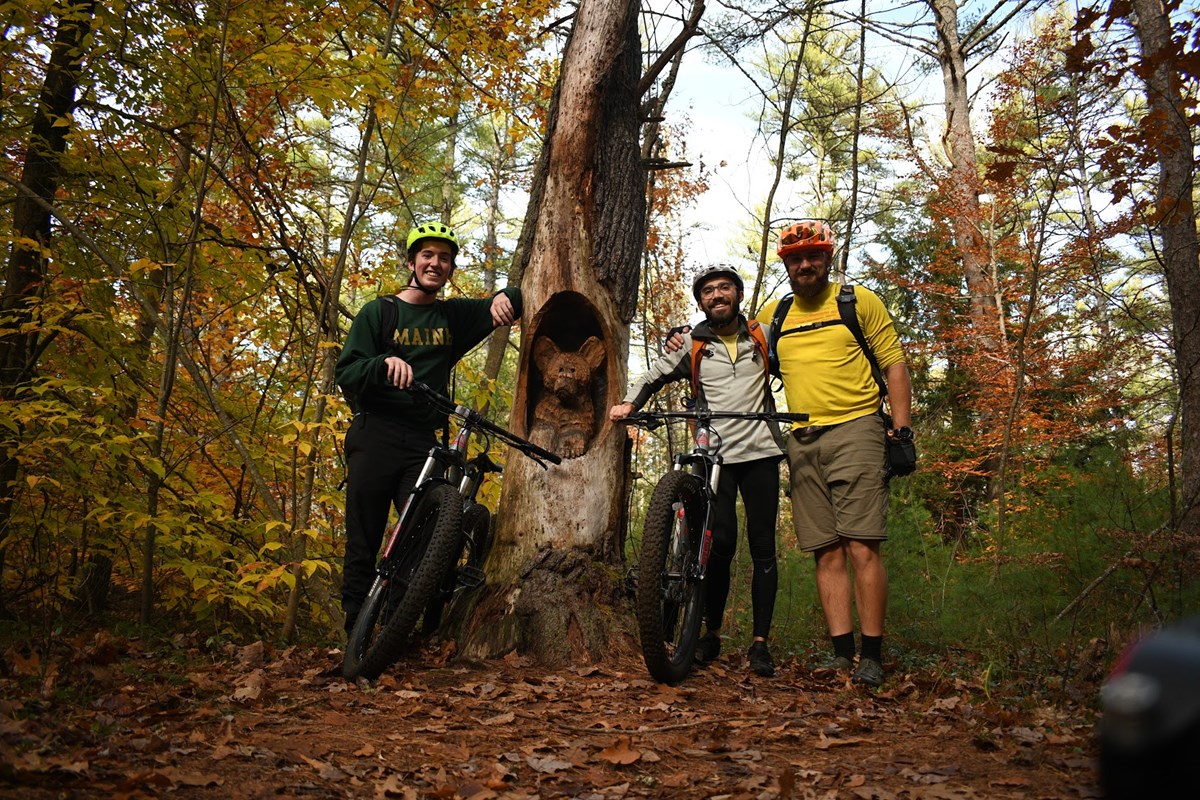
(869, 672)
(708, 648)
(760, 659)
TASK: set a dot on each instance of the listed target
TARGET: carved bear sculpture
(565, 418)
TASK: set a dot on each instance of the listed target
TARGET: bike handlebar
(653, 419)
(474, 419)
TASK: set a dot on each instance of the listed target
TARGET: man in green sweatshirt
(392, 430)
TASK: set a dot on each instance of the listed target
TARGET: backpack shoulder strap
(781, 311)
(388, 317)
(760, 342)
(848, 311)
(697, 354)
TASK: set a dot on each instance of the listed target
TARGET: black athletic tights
(758, 483)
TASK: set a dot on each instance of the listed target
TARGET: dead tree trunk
(554, 572)
(1174, 220)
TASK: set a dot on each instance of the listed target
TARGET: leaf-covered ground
(105, 717)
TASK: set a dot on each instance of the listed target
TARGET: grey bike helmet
(705, 273)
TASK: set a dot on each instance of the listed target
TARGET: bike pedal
(470, 577)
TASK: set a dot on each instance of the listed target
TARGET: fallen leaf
(326, 770)
(620, 752)
(180, 777)
(473, 791)
(252, 655)
(250, 687)
(548, 764)
(824, 743)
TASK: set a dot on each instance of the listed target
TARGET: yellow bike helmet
(432, 230)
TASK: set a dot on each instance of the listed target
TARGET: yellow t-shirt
(731, 345)
(825, 373)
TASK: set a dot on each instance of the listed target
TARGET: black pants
(383, 459)
(758, 483)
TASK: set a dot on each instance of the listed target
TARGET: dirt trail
(260, 724)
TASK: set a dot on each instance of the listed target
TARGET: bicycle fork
(680, 535)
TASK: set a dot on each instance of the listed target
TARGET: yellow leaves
(33, 481)
(142, 267)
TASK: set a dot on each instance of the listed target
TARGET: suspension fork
(437, 459)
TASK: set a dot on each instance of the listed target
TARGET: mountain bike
(676, 540)
(437, 546)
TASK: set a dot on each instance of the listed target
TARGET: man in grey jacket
(731, 377)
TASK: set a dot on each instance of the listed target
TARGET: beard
(809, 284)
(721, 316)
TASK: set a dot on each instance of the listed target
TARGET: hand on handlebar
(399, 372)
(620, 411)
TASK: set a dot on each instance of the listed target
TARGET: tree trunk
(25, 272)
(961, 189)
(963, 181)
(553, 575)
(1174, 219)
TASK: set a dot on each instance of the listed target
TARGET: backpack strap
(389, 315)
(847, 315)
(759, 341)
(848, 311)
(781, 311)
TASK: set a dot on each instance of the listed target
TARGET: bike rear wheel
(670, 600)
(398, 597)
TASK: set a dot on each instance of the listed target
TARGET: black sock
(872, 648)
(843, 645)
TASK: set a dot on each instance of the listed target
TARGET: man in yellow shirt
(838, 462)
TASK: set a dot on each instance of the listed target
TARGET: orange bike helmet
(804, 235)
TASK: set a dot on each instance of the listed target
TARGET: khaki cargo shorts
(839, 483)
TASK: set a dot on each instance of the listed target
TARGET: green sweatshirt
(431, 338)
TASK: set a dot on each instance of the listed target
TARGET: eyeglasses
(724, 286)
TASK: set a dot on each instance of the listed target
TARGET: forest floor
(103, 716)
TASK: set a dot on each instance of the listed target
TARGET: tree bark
(963, 180)
(961, 190)
(1174, 220)
(552, 575)
(25, 273)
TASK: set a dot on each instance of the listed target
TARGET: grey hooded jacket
(725, 385)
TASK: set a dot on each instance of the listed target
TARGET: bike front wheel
(405, 587)
(467, 571)
(670, 599)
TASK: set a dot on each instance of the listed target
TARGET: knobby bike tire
(365, 626)
(669, 609)
(436, 527)
(472, 549)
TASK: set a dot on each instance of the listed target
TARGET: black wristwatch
(904, 434)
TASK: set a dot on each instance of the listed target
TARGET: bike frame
(441, 466)
(705, 462)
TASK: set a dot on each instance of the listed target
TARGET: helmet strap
(415, 283)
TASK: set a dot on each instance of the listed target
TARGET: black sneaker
(869, 672)
(708, 648)
(760, 659)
